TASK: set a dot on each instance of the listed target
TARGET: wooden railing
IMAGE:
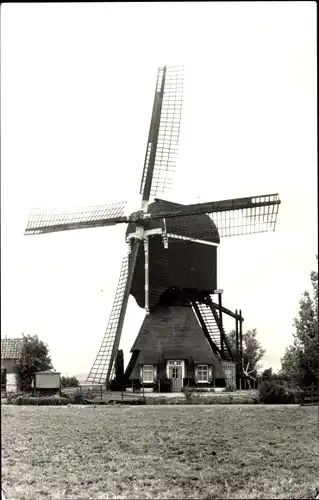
(310, 396)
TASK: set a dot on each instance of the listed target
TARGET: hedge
(40, 401)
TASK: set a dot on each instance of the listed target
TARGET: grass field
(159, 452)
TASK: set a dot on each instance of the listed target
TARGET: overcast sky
(77, 87)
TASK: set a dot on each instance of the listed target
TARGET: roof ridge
(12, 338)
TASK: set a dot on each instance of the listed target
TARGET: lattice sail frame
(234, 217)
(42, 221)
(169, 129)
(99, 370)
(252, 220)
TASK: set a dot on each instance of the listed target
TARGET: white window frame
(207, 374)
(148, 369)
(176, 362)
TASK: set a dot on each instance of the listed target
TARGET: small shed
(48, 382)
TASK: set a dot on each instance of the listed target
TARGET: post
(221, 322)
(241, 339)
(146, 271)
(236, 329)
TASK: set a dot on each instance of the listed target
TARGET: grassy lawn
(159, 452)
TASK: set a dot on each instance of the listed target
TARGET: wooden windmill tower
(171, 264)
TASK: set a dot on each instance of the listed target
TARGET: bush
(188, 395)
(164, 385)
(275, 392)
(12, 395)
(230, 387)
(41, 401)
(69, 382)
(75, 397)
(157, 401)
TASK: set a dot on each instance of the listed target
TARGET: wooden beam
(241, 338)
(220, 206)
(212, 307)
(153, 139)
(228, 311)
(237, 343)
(221, 323)
(111, 221)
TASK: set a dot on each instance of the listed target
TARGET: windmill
(157, 230)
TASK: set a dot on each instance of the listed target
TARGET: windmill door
(175, 375)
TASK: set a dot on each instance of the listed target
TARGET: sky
(77, 87)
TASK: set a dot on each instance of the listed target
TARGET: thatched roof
(173, 332)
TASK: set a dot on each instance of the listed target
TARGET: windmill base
(172, 353)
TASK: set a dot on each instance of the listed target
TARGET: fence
(98, 394)
(310, 396)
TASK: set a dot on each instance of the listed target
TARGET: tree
(267, 374)
(252, 351)
(69, 382)
(34, 358)
(270, 376)
(300, 363)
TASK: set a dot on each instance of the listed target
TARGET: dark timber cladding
(173, 333)
(167, 267)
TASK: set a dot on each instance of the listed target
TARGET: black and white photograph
(159, 250)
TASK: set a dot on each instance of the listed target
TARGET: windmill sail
(250, 220)
(161, 151)
(103, 366)
(236, 216)
(49, 221)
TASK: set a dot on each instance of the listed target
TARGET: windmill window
(202, 373)
(148, 373)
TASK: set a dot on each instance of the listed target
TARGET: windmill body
(184, 264)
(171, 265)
(171, 333)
